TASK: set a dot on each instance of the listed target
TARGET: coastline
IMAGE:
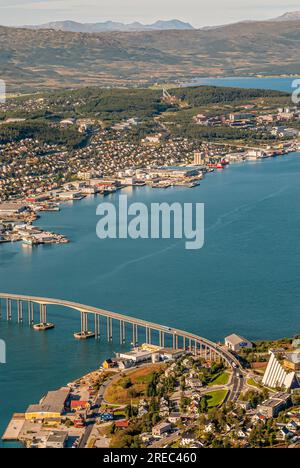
(279, 183)
(55, 238)
(93, 386)
(192, 81)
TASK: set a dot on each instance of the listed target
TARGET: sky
(197, 12)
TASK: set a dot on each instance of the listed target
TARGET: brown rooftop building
(52, 406)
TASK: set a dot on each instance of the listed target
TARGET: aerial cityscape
(149, 229)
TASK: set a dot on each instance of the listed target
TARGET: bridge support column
(8, 310)
(161, 339)
(20, 311)
(122, 332)
(175, 341)
(43, 314)
(148, 335)
(97, 327)
(109, 329)
(30, 313)
(195, 348)
(84, 322)
(135, 337)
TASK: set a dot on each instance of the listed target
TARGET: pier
(129, 328)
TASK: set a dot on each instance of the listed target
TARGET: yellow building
(51, 407)
(39, 412)
(108, 364)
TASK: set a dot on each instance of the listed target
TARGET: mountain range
(111, 26)
(290, 16)
(48, 59)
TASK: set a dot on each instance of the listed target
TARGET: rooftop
(137, 353)
(276, 399)
(235, 339)
(57, 437)
(57, 398)
(53, 402)
(162, 425)
(11, 206)
(293, 357)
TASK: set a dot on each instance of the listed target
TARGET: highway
(238, 382)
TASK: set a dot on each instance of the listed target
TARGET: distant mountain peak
(109, 26)
(289, 16)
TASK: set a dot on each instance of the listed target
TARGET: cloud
(32, 4)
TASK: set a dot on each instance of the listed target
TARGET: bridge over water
(152, 332)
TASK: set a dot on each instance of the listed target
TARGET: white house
(236, 343)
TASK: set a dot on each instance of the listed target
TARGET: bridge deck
(125, 318)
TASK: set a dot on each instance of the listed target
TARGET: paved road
(238, 382)
(91, 416)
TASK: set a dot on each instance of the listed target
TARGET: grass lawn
(216, 398)
(220, 379)
(253, 383)
(140, 378)
(258, 386)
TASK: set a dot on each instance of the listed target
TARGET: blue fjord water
(245, 279)
(275, 83)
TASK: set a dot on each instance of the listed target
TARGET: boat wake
(241, 210)
(232, 216)
(121, 267)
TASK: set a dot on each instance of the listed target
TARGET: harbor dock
(14, 428)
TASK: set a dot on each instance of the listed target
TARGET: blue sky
(198, 12)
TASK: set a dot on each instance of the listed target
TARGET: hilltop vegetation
(117, 104)
(42, 131)
(43, 112)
